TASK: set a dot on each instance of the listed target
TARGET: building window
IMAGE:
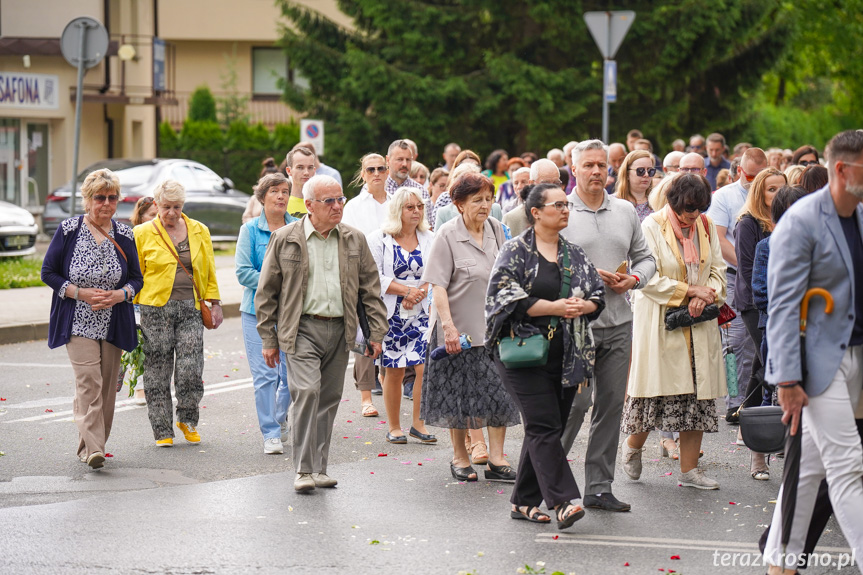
(268, 66)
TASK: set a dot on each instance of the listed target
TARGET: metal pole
(604, 104)
(79, 97)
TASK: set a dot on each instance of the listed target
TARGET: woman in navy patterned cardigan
(92, 266)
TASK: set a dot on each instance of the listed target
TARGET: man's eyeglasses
(691, 170)
(330, 202)
(414, 207)
(641, 171)
(560, 206)
(378, 169)
(101, 198)
(747, 176)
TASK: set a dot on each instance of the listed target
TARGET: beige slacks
(96, 364)
(316, 376)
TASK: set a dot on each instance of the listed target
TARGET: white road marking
(129, 404)
(662, 543)
(61, 365)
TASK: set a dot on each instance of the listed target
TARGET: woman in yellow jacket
(172, 250)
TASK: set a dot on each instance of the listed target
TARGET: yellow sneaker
(189, 432)
(167, 442)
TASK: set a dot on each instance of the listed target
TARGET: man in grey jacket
(818, 243)
(315, 271)
(609, 231)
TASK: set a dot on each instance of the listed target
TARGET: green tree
(202, 105)
(523, 75)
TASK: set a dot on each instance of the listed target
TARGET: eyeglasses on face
(378, 169)
(414, 207)
(101, 198)
(808, 163)
(641, 171)
(692, 208)
(559, 206)
(691, 170)
(330, 202)
(747, 176)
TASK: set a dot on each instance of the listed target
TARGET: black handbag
(762, 428)
(677, 317)
(532, 351)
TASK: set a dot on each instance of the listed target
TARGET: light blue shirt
(249, 257)
(325, 170)
(725, 208)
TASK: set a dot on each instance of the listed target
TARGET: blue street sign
(610, 77)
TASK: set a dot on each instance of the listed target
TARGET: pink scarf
(690, 254)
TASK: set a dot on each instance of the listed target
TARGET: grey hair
(315, 181)
(534, 168)
(524, 170)
(554, 152)
(670, 157)
(170, 191)
(399, 144)
(587, 145)
(393, 223)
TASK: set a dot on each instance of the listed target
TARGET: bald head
(692, 163)
(544, 171)
(556, 156)
(616, 154)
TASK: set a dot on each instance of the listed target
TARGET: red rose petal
(382, 454)
(2, 399)
(626, 564)
(49, 411)
(349, 421)
(419, 463)
(675, 557)
(731, 503)
(555, 537)
(109, 455)
(372, 472)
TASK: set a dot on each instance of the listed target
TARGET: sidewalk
(24, 312)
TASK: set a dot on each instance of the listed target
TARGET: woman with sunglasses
(526, 296)
(93, 268)
(400, 247)
(636, 181)
(176, 257)
(676, 375)
(367, 212)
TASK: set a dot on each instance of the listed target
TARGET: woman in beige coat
(676, 375)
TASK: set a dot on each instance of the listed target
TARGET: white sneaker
(284, 426)
(695, 478)
(304, 482)
(631, 459)
(273, 446)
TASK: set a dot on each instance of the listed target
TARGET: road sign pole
(79, 98)
(605, 119)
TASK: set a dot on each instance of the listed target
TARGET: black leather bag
(762, 428)
(677, 317)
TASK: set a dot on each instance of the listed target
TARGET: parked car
(18, 231)
(210, 199)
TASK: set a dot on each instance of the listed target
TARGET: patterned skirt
(464, 391)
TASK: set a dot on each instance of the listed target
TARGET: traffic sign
(84, 39)
(610, 79)
(313, 131)
(608, 29)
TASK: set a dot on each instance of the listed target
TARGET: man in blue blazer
(818, 243)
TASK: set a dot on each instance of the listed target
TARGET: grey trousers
(742, 346)
(316, 377)
(606, 393)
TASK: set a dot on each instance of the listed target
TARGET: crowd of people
(518, 290)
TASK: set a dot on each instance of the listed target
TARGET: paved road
(225, 507)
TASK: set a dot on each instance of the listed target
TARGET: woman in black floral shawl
(523, 295)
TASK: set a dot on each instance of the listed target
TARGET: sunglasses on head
(146, 201)
(641, 171)
(101, 198)
(378, 169)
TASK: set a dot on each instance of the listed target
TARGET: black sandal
(463, 473)
(532, 514)
(499, 472)
(567, 514)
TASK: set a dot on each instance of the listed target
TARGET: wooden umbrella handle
(804, 305)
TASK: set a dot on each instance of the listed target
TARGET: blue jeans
(272, 397)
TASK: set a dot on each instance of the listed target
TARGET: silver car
(210, 199)
(18, 231)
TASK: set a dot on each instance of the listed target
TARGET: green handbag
(532, 351)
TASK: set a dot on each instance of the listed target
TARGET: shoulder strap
(177, 257)
(116, 245)
(706, 225)
(564, 286)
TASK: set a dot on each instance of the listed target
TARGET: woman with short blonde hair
(636, 180)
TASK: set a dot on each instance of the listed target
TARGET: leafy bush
(169, 141)
(791, 127)
(20, 272)
(201, 135)
(285, 137)
(202, 106)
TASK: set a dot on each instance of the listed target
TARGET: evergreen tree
(523, 75)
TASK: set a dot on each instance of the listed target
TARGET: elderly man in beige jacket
(315, 272)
